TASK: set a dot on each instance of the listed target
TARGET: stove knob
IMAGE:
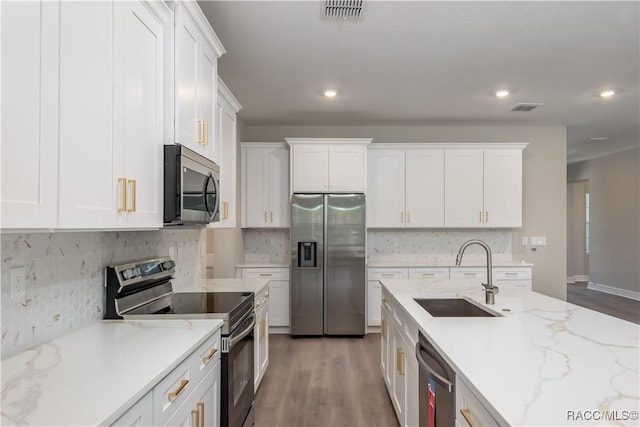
(127, 274)
(168, 265)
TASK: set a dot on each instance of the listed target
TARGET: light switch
(538, 241)
(525, 240)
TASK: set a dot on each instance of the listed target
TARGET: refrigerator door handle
(325, 262)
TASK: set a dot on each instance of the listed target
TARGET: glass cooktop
(207, 302)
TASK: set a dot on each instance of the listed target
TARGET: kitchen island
(543, 362)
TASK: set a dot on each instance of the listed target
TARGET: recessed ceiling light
(607, 93)
(502, 93)
(330, 93)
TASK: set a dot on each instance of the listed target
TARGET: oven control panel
(135, 272)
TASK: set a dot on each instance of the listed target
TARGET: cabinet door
(424, 188)
(385, 183)
(310, 168)
(278, 187)
(503, 188)
(384, 347)
(187, 38)
(374, 299)
(279, 303)
(256, 195)
(463, 188)
(399, 378)
(206, 93)
(226, 126)
(139, 415)
(138, 100)
(29, 193)
(90, 166)
(347, 168)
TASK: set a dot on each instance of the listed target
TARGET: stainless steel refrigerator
(328, 276)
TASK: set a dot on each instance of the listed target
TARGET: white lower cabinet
(201, 407)
(278, 291)
(374, 290)
(469, 410)
(261, 338)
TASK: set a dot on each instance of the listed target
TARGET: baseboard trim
(278, 330)
(581, 278)
(614, 291)
(571, 279)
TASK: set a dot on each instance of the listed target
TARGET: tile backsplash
(266, 246)
(432, 247)
(437, 247)
(64, 276)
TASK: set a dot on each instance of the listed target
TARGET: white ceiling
(428, 62)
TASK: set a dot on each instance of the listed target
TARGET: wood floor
(613, 305)
(323, 382)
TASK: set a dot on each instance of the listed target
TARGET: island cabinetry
(406, 187)
(374, 290)
(261, 337)
(265, 185)
(469, 410)
(227, 108)
(197, 49)
(328, 165)
(398, 362)
(278, 291)
(483, 186)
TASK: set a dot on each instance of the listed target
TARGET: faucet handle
(492, 288)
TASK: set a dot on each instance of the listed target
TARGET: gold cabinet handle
(208, 357)
(265, 274)
(225, 210)
(383, 328)
(262, 328)
(176, 392)
(132, 183)
(486, 216)
(466, 413)
(400, 360)
(200, 406)
(194, 417)
(200, 131)
(122, 183)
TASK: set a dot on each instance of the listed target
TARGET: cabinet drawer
(469, 410)
(468, 273)
(387, 273)
(428, 273)
(511, 273)
(266, 273)
(171, 392)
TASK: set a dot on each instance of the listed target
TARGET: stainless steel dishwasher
(437, 399)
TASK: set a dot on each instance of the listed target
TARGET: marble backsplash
(429, 246)
(266, 246)
(64, 276)
(434, 247)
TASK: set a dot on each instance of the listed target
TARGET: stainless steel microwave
(191, 187)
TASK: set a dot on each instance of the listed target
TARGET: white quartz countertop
(545, 363)
(224, 285)
(91, 376)
(416, 262)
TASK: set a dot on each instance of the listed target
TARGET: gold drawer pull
(208, 357)
(265, 274)
(387, 274)
(122, 206)
(132, 182)
(470, 274)
(466, 413)
(510, 274)
(200, 131)
(263, 328)
(176, 393)
(383, 329)
(400, 361)
(428, 274)
(200, 406)
(194, 417)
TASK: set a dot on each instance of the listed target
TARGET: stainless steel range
(143, 290)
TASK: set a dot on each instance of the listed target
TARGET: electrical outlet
(538, 241)
(17, 284)
(525, 240)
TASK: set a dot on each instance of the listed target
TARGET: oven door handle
(439, 378)
(244, 333)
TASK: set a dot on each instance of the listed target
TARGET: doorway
(578, 231)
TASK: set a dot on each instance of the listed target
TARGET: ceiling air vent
(526, 106)
(346, 9)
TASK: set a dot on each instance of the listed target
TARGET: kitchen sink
(452, 307)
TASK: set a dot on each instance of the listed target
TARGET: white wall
(65, 277)
(614, 188)
(544, 181)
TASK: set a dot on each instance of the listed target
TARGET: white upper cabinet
(197, 50)
(405, 187)
(111, 114)
(265, 185)
(226, 124)
(30, 34)
(328, 165)
(483, 186)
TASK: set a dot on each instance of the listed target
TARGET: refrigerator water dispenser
(307, 254)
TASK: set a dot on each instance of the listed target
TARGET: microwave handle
(214, 209)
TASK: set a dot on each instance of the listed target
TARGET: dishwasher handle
(439, 378)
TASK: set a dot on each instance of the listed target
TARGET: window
(586, 212)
